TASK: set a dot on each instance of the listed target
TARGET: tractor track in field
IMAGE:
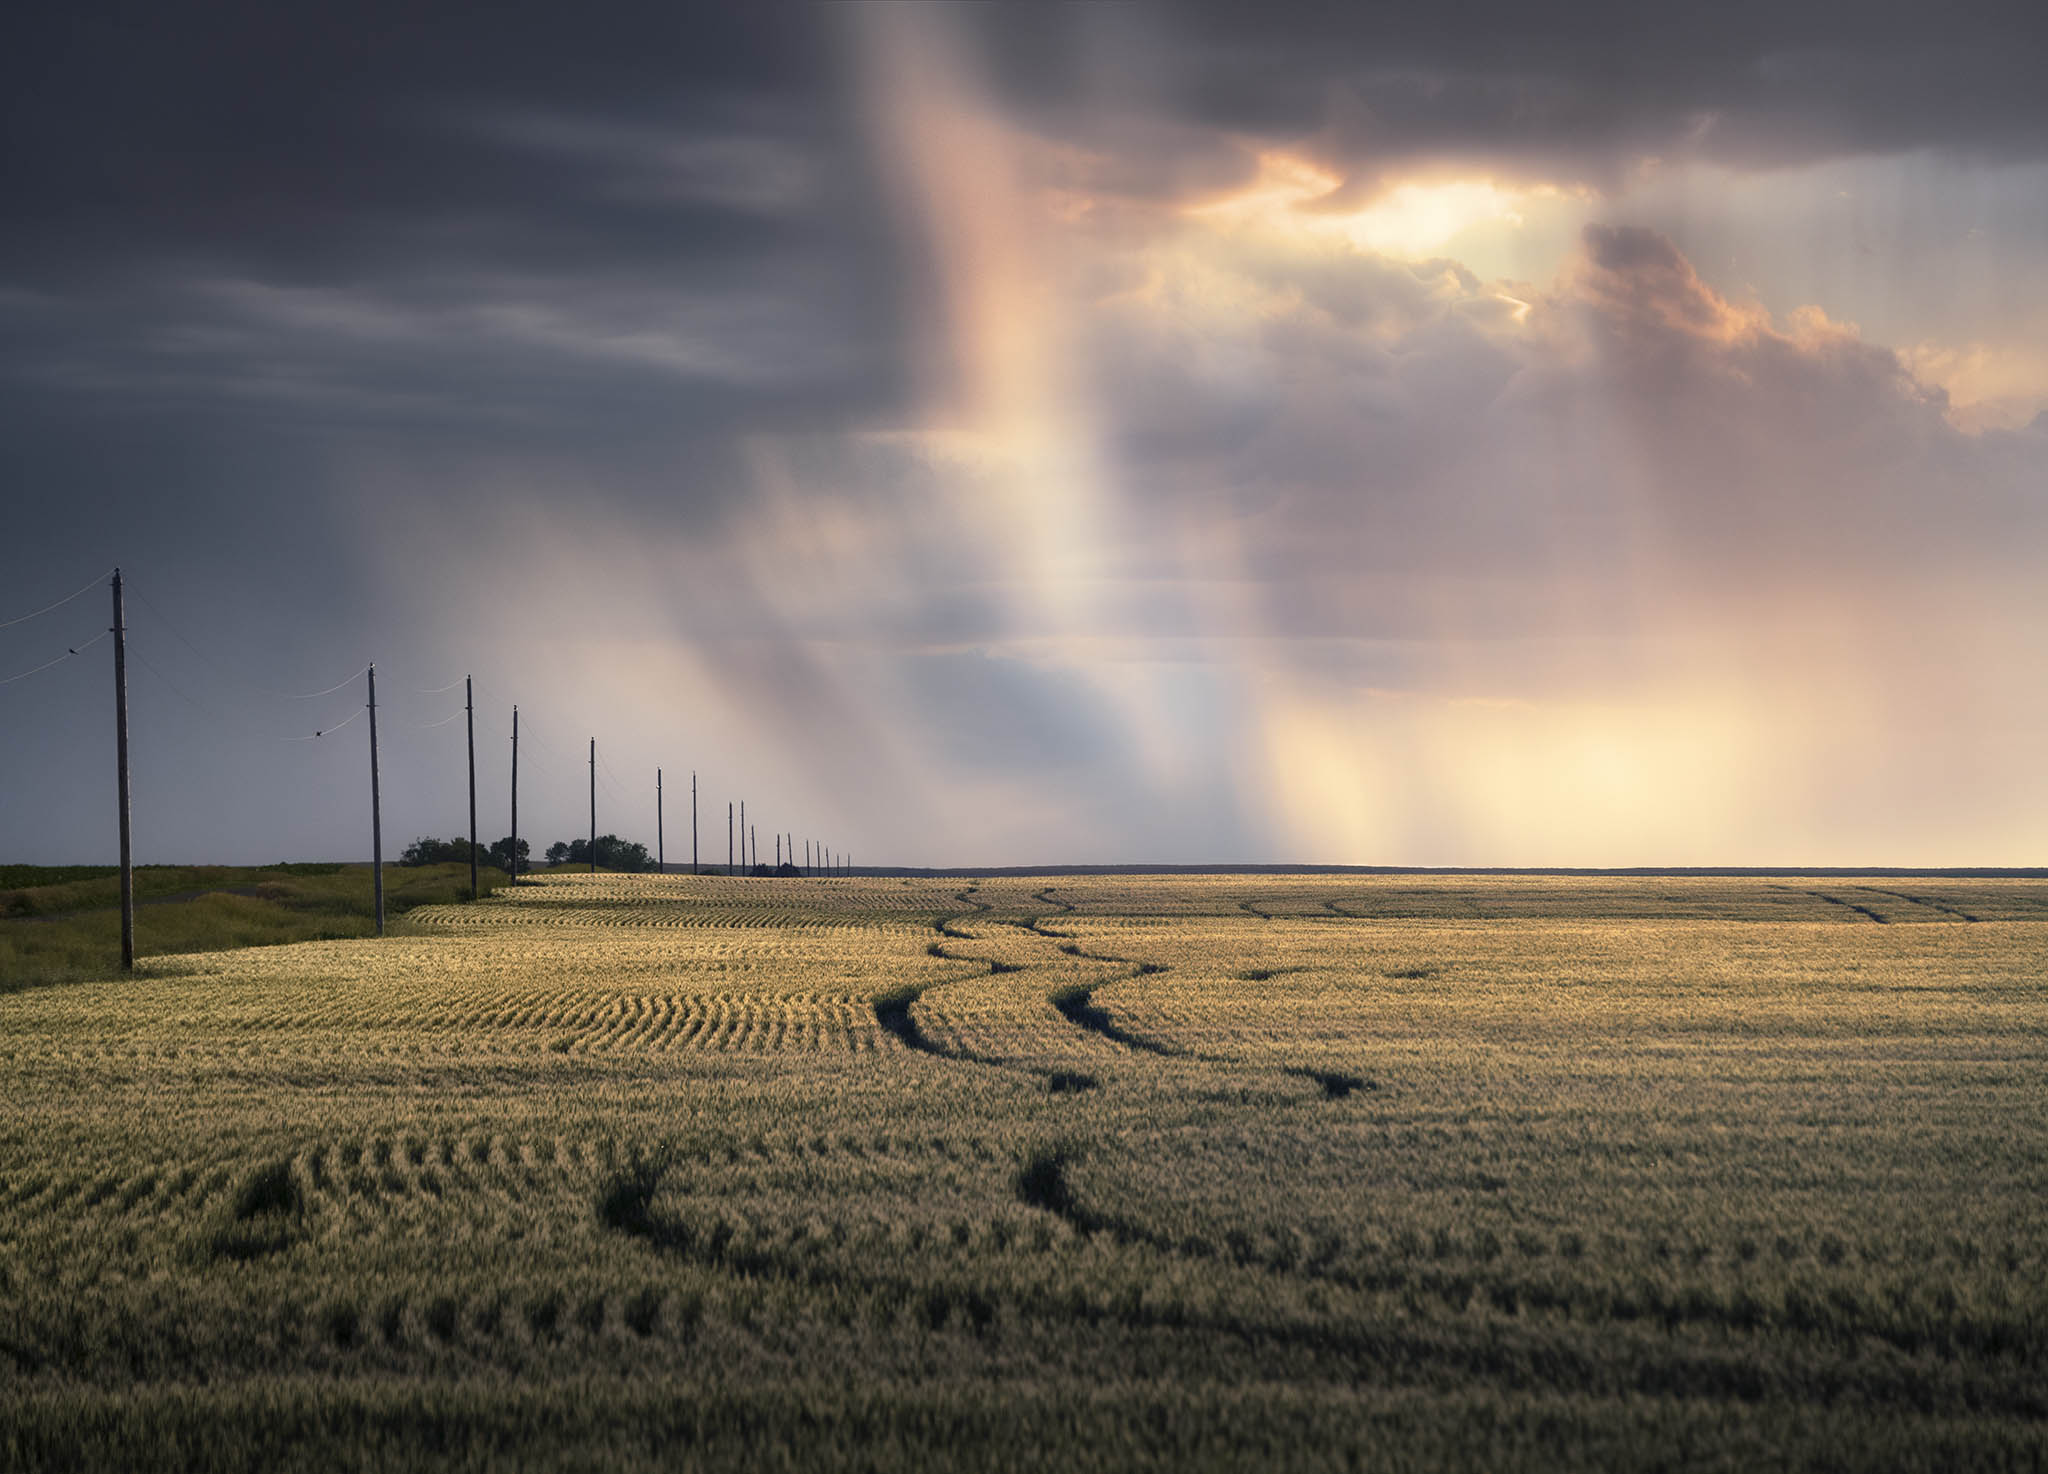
(1860, 910)
(893, 1009)
(1881, 920)
(1075, 1002)
(1931, 904)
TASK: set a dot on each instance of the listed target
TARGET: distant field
(1176, 1172)
(62, 923)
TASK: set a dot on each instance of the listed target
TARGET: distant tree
(613, 853)
(427, 850)
(501, 854)
(623, 854)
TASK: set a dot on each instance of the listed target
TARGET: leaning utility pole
(469, 706)
(121, 774)
(593, 806)
(754, 841)
(693, 822)
(376, 811)
(660, 854)
(515, 795)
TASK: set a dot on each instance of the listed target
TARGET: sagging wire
(611, 779)
(39, 613)
(179, 691)
(329, 731)
(227, 677)
(74, 650)
(183, 639)
(310, 695)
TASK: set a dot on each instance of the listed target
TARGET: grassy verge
(62, 924)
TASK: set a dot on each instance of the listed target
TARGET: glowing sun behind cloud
(1413, 218)
(1275, 499)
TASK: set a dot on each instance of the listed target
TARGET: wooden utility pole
(728, 836)
(754, 841)
(693, 822)
(660, 854)
(778, 852)
(121, 777)
(743, 836)
(593, 806)
(515, 795)
(469, 706)
(376, 810)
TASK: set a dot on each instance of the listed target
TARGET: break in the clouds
(996, 435)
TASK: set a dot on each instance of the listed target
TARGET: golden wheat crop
(1329, 1163)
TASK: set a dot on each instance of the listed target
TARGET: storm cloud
(999, 434)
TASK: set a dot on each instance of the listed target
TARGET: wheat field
(1318, 1172)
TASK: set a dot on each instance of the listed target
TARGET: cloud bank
(986, 439)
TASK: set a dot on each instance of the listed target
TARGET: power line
(429, 726)
(59, 660)
(227, 676)
(329, 731)
(183, 639)
(348, 680)
(527, 734)
(39, 613)
(223, 672)
(175, 687)
(437, 690)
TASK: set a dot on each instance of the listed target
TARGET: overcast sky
(1487, 435)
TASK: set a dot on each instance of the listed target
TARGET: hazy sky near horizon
(1004, 434)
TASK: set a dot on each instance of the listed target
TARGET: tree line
(613, 853)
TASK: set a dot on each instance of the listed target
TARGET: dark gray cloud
(412, 330)
(291, 132)
(418, 212)
(1574, 94)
